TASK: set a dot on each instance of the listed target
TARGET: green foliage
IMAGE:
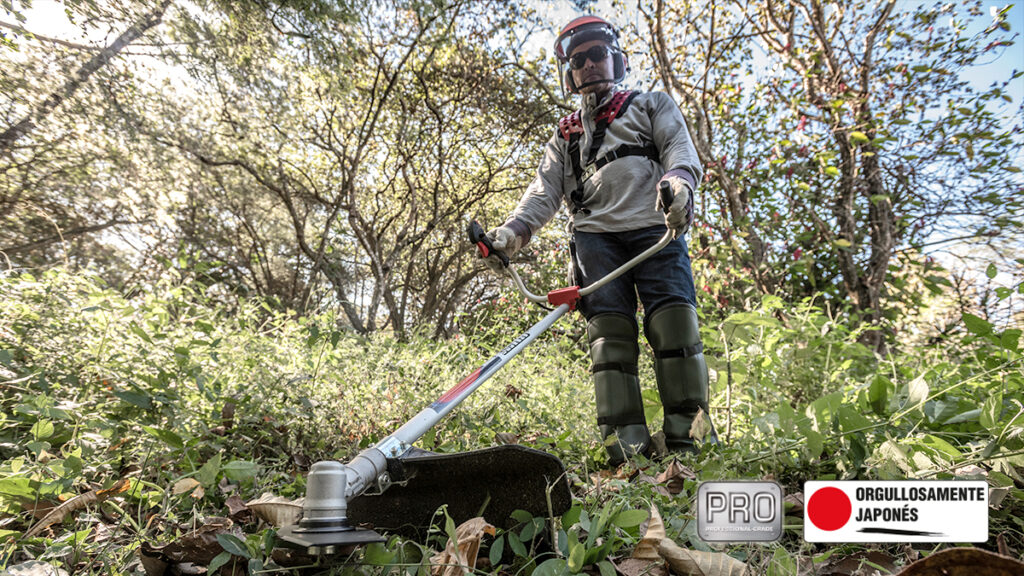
(171, 385)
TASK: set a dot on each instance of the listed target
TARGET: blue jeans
(664, 278)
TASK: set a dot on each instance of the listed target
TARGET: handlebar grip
(483, 243)
(666, 196)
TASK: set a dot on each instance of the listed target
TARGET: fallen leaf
(276, 510)
(641, 567)
(459, 557)
(1001, 546)
(964, 562)
(674, 476)
(701, 425)
(506, 438)
(185, 485)
(646, 479)
(684, 562)
(647, 548)
(227, 415)
(77, 503)
(236, 508)
(199, 546)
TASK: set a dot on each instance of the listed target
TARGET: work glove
(680, 214)
(505, 239)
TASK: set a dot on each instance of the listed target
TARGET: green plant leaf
(552, 567)
(377, 554)
(521, 516)
(144, 401)
(496, 551)
(207, 473)
(630, 518)
(878, 393)
(240, 470)
(41, 430)
(218, 562)
(977, 325)
(917, 392)
(606, 568)
(233, 545)
(991, 410)
(166, 436)
(576, 555)
(572, 516)
(517, 547)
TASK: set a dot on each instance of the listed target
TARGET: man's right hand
(503, 238)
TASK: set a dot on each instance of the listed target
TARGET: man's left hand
(680, 214)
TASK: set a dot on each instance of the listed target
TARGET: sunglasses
(595, 54)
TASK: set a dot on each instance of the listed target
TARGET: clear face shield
(573, 37)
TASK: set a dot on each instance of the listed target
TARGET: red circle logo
(829, 508)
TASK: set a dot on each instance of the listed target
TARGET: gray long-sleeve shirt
(622, 195)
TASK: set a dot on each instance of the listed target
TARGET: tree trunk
(41, 111)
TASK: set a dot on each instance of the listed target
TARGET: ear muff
(570, 84)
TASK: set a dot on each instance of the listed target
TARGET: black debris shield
(492, 482)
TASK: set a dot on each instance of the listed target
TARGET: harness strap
(628, 368)
(571, 129)
(649, 151)
(684, 352)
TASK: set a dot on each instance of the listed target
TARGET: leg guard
(620, 410)
(681, 372)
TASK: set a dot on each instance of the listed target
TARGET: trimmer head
(339, 539)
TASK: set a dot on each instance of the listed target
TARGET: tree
(366, 142)
(850, 138)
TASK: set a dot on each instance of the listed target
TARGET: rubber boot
(620, 409)
(681, 371)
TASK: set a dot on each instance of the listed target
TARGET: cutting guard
(492, 482)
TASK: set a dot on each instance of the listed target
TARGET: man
(605, 163)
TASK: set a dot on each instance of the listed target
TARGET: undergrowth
(179, 406)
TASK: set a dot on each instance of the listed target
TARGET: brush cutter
(398, 488)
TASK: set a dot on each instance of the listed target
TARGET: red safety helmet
(585, 29)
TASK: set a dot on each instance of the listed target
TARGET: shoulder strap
(571, 129)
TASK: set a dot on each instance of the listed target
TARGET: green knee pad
(681, 371)
(620, 409)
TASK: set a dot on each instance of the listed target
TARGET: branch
(26, 124)
(64, 43)
(62, 236)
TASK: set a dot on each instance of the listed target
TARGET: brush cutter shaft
(372, 462)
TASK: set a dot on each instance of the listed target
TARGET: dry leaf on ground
(277, 511)
(185, 485)
(197, 547)
(77, 503)
(647, 549)
(641, 567)
(237, 510)
(964, 562)
(674, 476)
(684, 562)
(459, 557)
